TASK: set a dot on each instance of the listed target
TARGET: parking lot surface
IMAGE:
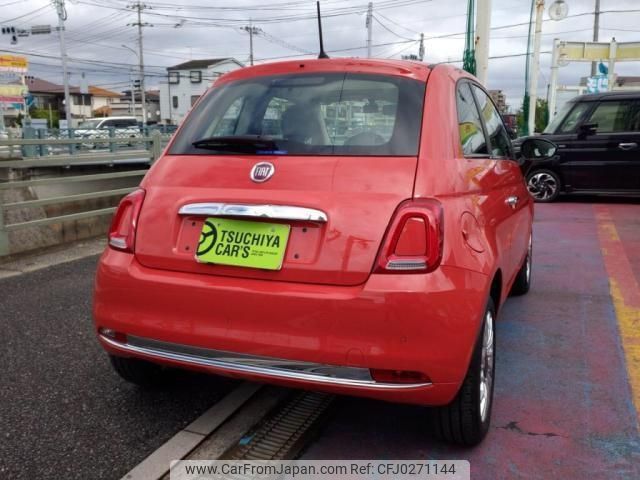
(567, 388)
(567, 364)
(64, 412)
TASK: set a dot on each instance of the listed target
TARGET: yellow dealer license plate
(242, 243)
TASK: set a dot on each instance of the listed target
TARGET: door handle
(627, 146)
(512, 201)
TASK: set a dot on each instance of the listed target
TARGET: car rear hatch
(330, 158)
(358, 195)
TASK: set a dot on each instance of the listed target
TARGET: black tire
(141, 373)
(522, 284)
(463, 422)
(544, 185)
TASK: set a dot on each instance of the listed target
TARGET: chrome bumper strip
(250, 364)
(280, 212)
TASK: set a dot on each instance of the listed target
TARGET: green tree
(542, 116)
(54, 119)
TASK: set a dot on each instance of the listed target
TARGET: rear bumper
(301, 335)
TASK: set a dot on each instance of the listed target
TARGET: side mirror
(587, 129)
(536, 148)
(513, 134)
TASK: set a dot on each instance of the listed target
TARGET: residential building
(101, 100)
(47, 95)
(123, 106)
(500, 99)
(186, 82)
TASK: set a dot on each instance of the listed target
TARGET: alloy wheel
(542, 186)
(486, 366)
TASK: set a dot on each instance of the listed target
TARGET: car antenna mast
(322, 52)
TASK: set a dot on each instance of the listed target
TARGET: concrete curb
(177, 447)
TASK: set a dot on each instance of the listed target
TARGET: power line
(388, 29)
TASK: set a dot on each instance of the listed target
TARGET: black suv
(598, 139)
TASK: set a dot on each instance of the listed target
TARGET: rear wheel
(465, 421)
(543, 185)
(144, 374)
(522, 284)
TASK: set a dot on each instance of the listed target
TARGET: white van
(100, 127)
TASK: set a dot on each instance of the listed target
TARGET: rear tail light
(398, 376)
(122, 233)
(413, 243)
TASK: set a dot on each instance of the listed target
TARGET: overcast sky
(97, 33)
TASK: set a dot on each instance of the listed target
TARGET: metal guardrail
(154, 141)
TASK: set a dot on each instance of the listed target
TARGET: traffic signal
(10, 31)
(136, 85)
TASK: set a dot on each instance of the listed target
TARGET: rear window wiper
(240, 143)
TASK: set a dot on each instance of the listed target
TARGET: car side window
(472, 135)
(498, 136)
(571, 121)
(616, 116)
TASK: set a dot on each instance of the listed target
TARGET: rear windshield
(310, 114)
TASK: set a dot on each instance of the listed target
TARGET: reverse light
(413, 243)
(122, 233)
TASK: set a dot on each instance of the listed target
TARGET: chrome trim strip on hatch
(255, 365)
(280, 212)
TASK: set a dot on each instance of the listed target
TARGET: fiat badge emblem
(263, 171)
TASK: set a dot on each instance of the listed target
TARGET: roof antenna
(322, 52)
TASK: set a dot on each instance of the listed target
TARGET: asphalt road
(63, 412)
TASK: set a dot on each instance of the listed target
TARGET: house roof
(39, 85)
(101, 92)
(194, 64)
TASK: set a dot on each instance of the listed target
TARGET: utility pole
(535, 67)
(139, 7)
(483, 28)
(62, 16)
(133, 98)
(369, 24)
(596, 32)
(421, 49)
(251, 30)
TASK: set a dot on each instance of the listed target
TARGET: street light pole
(131, 86)
(535, 67)
(62, 16)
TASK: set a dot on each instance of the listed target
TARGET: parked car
(598, 139)
(94, 128)
(371, 266)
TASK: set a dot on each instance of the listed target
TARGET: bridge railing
(22, 175)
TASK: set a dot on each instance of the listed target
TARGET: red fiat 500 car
(344, 225)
